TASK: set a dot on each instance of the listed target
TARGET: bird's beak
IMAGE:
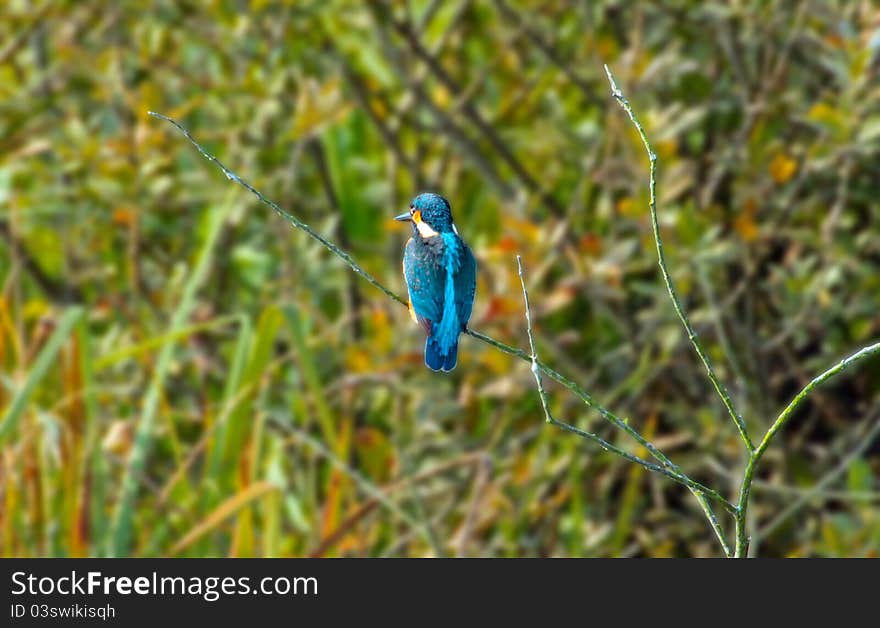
(404, 217)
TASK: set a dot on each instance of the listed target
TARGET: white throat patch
(425, 229)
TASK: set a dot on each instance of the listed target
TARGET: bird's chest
(427, 254)
(425, 267)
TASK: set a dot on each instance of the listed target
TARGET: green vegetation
(181, 373)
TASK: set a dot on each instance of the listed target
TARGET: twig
(742, 540)
(661, 259)
(36, 18)
(755, 454)
(865, 441)
(296, 222)
(675, 474)
(578, 390)
(713, 521)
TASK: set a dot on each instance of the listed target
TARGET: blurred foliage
(292, 413)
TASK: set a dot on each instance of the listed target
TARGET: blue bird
(441, 278)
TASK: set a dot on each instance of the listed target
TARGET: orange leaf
(591, 244)
(745, 224)
(123, 216)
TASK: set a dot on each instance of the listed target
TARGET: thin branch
(755, 454)
(296, 222)
(582, 394)
(786, 414)
(713, 521)
(535, 371)
(661, 259)
(668, 468)
(818, 490)
(676, 475)
(742, 540)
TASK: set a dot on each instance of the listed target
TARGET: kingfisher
(441, 278)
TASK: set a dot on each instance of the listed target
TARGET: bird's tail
(439, 359)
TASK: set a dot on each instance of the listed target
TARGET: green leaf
(45, 360)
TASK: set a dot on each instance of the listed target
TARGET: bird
(441, 278)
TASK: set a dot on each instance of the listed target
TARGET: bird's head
(430, 214)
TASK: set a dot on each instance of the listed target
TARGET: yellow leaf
(627, 206)
(510, 60)
(379, 108)
(827, 116)
(381, 329)
(782, 167)
(359, 360)
(667, 149)
(35, 309)
(319, 105)
(223, 512)
(441, 96)
(529, 231)
(822, 112)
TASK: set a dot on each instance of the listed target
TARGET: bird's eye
(411, 209)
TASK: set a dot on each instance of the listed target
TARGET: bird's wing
(425, 282)
(466, 286)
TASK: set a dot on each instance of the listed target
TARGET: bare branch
(742, 540)
(661, 259)
(673, 473)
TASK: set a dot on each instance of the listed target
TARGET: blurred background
(282, 402)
